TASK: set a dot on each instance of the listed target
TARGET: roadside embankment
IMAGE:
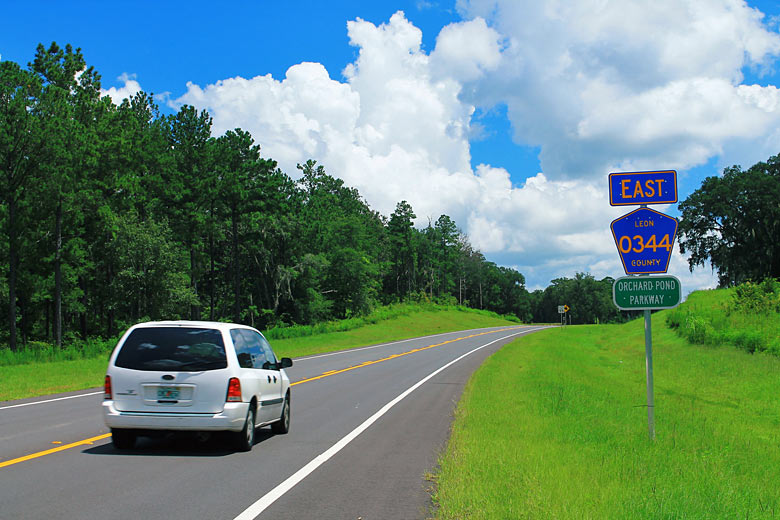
(554, 425)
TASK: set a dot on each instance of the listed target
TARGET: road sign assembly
(562, 310)
(628, 188)
(645, 239)
(632, 293)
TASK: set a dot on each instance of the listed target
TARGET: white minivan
(195, 376)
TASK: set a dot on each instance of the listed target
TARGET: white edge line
(50, 400)
(272, 496)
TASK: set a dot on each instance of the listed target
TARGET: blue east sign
(628, 188)
(645, 239)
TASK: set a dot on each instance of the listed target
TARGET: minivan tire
(245, 439)
(283, 424)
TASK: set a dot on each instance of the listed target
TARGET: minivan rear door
(171, 369)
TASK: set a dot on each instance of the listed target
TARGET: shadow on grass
(665, 390)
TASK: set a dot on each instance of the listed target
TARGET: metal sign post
(645, 240)
(649, 373)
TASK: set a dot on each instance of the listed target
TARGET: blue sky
(519, 90)
(168, 44)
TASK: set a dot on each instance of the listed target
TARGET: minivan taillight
(234, 390)
(107, 388)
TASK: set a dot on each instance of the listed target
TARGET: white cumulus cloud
(597, 83)
(391, 129)
(466, 50)
(131, 87)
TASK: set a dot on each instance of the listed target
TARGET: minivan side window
(249, 351)
(255, 341)
(269, 354)
(241, 346)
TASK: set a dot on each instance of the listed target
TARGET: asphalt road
(367, 424)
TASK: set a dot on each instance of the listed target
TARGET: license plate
(168, 393)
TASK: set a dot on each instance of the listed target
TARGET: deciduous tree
(733, 222)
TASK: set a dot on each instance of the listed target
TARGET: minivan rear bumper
(231, 418)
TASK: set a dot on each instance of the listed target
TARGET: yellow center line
(91, 440)
(393, 356)
(55, 450)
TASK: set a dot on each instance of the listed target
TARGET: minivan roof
(186, 323)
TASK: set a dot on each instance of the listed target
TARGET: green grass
(388, 312)
(554, 425)
(34, 373)
(35, 379)
(720, 317)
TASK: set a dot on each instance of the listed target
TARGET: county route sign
(633, 293)
(627, 188)
(645, 239)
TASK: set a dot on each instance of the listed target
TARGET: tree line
(112, 214)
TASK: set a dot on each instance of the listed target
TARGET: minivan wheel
(283, 424)
(123, 439)
(245, 439)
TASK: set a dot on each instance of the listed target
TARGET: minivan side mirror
(286, 362)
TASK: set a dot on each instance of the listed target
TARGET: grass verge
(746, 317)
(554, 425)
(36, 378)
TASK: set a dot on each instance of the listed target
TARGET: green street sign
(634, 293)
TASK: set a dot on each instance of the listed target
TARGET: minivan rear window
(179, 349)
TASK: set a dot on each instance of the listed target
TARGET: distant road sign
(561, 309)
(645, 239)
(627, 188)
(633, 293)
(565, 308)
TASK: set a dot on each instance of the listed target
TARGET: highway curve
(367, 424)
